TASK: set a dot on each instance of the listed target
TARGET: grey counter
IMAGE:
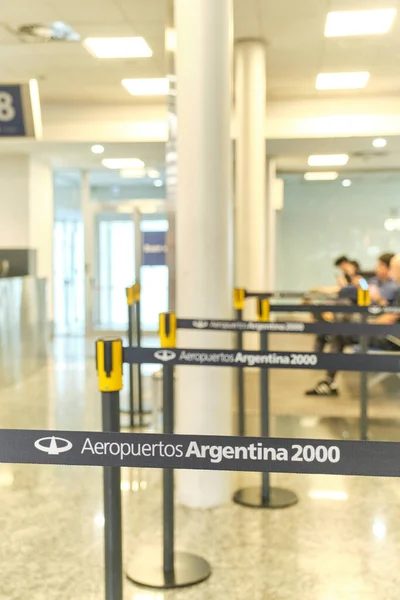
(23, 327)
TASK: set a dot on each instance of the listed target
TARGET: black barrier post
(177, 569)
(364, 300)
(239, 296)
(133, 301)
(264, 408)
(109, 369)
(168, 474)
(139, 367)
(130, 296)
(266, 496)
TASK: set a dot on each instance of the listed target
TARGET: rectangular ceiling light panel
(146, 87)
(122, 163)
(342, 81)
(321, 176)
(328, 160)
(133, 173)
(359, 22)
(119, 47)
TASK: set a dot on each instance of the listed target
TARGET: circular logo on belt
(165, 355)
(53, 445)
(200, 324)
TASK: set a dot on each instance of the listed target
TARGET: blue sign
(12, 120)
(154, 248)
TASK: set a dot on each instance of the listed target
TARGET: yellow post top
(133, 294)
(168, 330)
(263, 309)
(363, 297)
(109, 361)
(239, 296)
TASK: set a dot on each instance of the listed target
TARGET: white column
(271, 222)
(26, 210)
(204, 257)
(88, 216)
(251, 220)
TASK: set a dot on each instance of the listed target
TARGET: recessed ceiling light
(97, 149)
(146, 87)
(321, 176)
(346, 182)
(133, 173)
(326, 160)
(342, 81)
(359, 22)
(153, 173)
(122, 163)
(158, 183)
(119, 47)
(379, 143)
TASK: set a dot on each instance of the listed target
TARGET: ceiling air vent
(369, 155)
(52, 32)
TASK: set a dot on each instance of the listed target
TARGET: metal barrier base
(278, 498)
(148, 572)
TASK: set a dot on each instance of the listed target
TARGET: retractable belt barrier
(335, 308)
(363, 329)
(287, 295)
(324, 327)
(277, 295)
(200, 452)
(112, 450)
(264, 360)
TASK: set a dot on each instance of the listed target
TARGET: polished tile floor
(340, 542)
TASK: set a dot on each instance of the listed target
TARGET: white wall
(317, 118)
(322, 220)
(105, 123)
(41, 221)
(14, 201)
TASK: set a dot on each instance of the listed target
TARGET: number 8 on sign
(7, 110)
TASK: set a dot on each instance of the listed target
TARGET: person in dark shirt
(349, 268)
(348, 291)
(382, 287)
(327, 386)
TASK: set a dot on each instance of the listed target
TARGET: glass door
(69, 278)
(154, 277)
(115, 265)
(114, 270)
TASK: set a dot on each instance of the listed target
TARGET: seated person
(327, 386)
(349, 291)
(348, 269)
(382, 288)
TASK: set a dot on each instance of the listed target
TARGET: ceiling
(296, 49)
(66, 71)
(293, 30)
